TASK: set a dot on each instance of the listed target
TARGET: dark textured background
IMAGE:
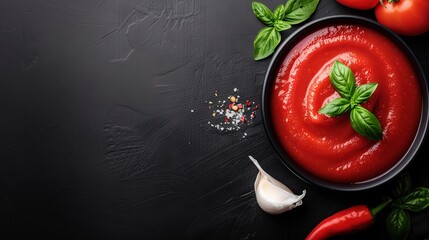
(98, 140)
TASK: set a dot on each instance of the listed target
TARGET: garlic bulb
(273, 196)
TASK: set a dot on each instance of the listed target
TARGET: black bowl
(270, 76)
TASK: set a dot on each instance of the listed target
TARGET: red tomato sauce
(328, 147)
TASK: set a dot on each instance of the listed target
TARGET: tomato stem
(380, 207)
(388, 1)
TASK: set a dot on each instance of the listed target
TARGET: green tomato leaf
(281, 25)
(336, 107)
(298, 11)
(363, 92)
(416, 200)
(403, 185)
(265, 42)
(279, 12)
(398, 224)
(343, 79)
(365, 123)
(263, 13)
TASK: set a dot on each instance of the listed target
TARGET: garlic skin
(273, 196)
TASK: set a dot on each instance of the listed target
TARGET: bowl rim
(270, 75)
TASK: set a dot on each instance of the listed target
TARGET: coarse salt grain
(232, 116)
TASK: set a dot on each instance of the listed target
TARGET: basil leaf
(417, 200)
(343, 79)
(398, 224)
(363, 92)
(336, 107)
(281, 25)
(265, 42)
(279, 12)
(263, 13)
(403, 185)
(298, 11)
(365, 123)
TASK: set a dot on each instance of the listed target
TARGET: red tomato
(359, 4)
(405, 17)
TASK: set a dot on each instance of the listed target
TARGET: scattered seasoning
(230, 115)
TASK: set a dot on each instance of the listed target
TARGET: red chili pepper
(346, 221)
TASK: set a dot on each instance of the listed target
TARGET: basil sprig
(283, 17)
(363, 121)
(398, 222)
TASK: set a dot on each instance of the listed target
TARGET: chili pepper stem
(380, 207)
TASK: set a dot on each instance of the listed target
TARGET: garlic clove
(273, 196)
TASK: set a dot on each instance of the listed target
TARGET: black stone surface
(104, 124)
